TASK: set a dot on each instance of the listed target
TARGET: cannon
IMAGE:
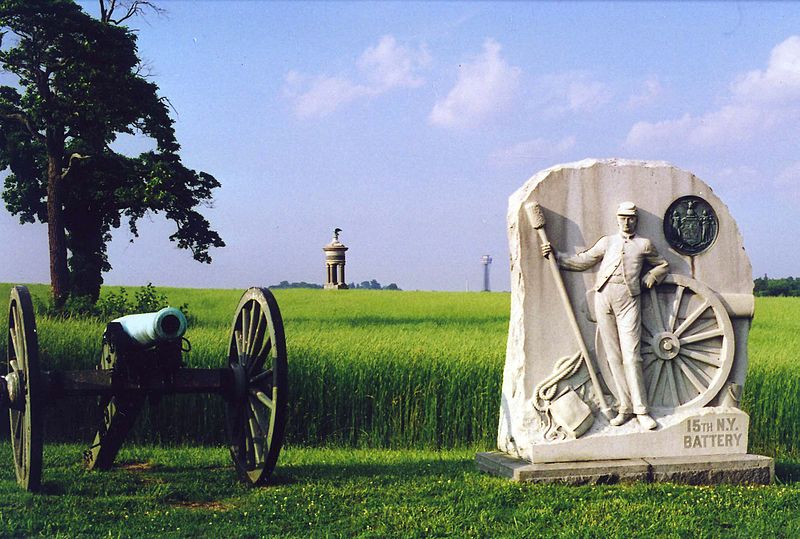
(142, 357)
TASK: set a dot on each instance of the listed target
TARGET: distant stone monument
(334, 263)
(627, 350)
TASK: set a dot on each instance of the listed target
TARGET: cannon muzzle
(148, 329)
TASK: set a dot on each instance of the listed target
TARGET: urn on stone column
(334, 263)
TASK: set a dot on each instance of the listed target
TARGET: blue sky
(408, 125)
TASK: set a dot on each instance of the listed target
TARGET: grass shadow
(412, 469)
(787, 472)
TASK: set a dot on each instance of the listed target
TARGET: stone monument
(334, 263)
(632, 299)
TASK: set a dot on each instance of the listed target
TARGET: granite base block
(705, 470)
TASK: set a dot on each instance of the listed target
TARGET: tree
(80, 88)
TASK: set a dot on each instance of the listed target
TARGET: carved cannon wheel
(257, 408)
(24, 386)
(687, 345)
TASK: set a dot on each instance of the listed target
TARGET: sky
(408, 125)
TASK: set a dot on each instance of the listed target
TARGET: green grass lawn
(327, 492)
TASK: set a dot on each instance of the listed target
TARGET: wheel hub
(10, 389)
(239, 389)
(666, 346)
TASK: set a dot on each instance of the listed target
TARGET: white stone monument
(627, 350)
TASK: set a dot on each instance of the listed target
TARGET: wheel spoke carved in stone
(686, 347)
(257, 406)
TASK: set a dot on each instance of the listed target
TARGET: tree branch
(72, 158)
(135, 7)
(25, 121)
(103, 11)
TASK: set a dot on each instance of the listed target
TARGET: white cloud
(484, 86)
(649, 92)
(572, 91)
(389, 65)
(759, 102)
(529, 151)
(381, 68)
(779, 83)
(322, 95)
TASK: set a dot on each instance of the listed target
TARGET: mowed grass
(392, 369)
(327, 492)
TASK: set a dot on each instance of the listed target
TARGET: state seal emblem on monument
(690, 225)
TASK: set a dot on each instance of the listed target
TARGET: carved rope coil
(546, 390)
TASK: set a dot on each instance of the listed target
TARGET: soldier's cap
(627, 208)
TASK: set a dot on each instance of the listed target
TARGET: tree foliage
(786, 286)
(78, 88)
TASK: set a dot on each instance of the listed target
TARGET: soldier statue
(622, 259)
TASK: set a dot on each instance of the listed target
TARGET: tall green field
(390, 369)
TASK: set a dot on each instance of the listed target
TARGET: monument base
(336, 286)
(687, 434)
(700, 470)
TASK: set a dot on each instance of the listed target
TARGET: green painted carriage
(143, 357)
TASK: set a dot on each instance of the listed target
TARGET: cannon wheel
(22, 354)
(256, 410)
(687, 345)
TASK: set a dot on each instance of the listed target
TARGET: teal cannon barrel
(149, 329)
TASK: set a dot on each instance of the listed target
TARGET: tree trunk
(87, 252)
(59, 274)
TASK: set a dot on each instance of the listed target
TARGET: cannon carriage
(142, 357)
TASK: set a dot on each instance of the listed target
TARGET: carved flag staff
(536, 218)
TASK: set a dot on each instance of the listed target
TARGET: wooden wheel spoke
(263, 375)
(17, 425)
(13, 336)
(237, 339)
(255, 413)
(676, 306)
(256, 344)
(651, 391)
(692, 317)
(262, 397)
(656, 306)
(646, 349)
(696, 337)
(245, 332)
(687, 371)
(257, 339)
(265, 424)
(701, 356)
(255, 321)
(248, 448)
(19, 338)
(266, 348)
(257, 439)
